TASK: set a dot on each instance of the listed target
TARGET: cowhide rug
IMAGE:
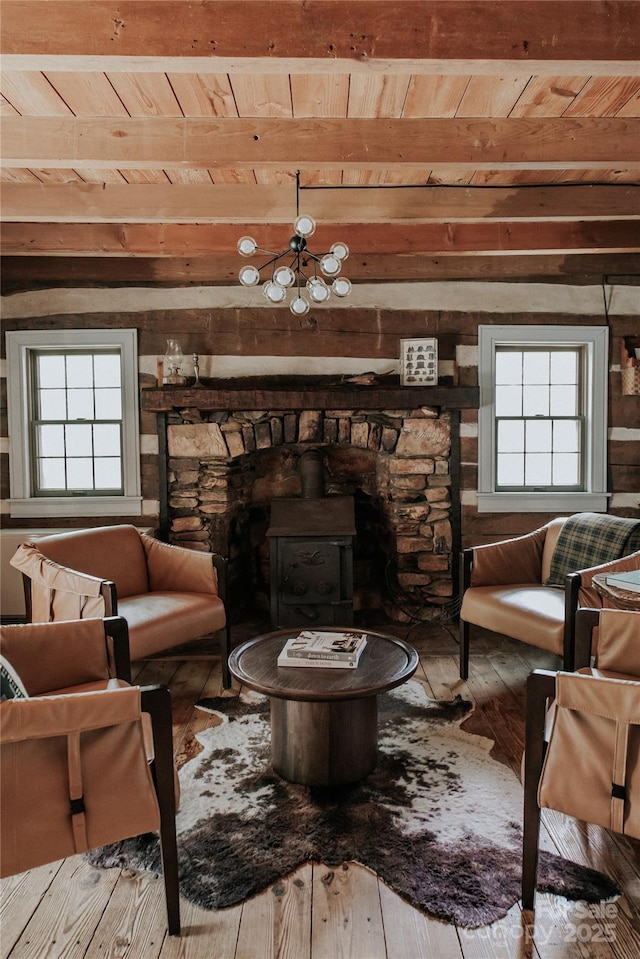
(438, 820)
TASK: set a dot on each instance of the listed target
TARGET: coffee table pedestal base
(324, 743)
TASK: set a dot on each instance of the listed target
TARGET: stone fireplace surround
(228, 449)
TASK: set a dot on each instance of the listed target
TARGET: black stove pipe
(312, 474)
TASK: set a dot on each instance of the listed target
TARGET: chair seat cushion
(160, 620)
(520, 611)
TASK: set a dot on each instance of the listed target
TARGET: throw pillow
(11, 686)
(590, 539)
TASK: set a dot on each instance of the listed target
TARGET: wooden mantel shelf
(305, 393)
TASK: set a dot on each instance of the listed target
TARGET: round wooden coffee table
(324, 721)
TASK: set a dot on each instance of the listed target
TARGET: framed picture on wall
(419, 361)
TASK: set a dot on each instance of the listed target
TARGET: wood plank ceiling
(454, 138)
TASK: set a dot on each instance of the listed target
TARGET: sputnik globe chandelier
(289, 274)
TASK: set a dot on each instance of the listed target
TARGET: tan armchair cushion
(63, 655)
(525, 612)
(113, 553)
(618, 645)
(175, 568)
(160, 620)
(517, 560)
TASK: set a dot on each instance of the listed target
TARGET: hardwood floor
(72, 910)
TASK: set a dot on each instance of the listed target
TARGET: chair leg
(540, 687)
(157, 701)
(225, 652)
(530, 837)
(464, 649)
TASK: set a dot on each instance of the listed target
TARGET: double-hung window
(542, 421)
(73, 423)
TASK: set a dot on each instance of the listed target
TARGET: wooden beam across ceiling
(327, 30)
(124, 239)
(495, 143)
(25, 271)
(192, 203)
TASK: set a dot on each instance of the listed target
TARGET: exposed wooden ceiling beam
(313, 65)
(161, 142)
(56, 239)
(19, 271)
(326, 29)
(190, 203)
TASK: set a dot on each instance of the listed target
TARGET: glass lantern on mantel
(172, 365)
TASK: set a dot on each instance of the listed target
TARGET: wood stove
(311, 553)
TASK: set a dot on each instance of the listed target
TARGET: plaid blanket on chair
(589, 539)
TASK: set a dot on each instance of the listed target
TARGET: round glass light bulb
(304, 225)
(341, 250)
(273, 292)
(249, 276)
(284, 276)
(330, 265)
(341, 286)
(299, 306)
(247, 246)
(318, 290)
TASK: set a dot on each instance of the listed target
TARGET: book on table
(326, 649)
(630, 580)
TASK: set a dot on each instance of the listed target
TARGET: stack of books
(630, 580)
(312, 648)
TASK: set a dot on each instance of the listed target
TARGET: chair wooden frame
(156, 700)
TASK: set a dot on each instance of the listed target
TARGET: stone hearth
(225, 466)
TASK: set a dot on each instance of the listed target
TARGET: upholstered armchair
(582, 744)
(168, 595)
(529, 587)
(86, 759)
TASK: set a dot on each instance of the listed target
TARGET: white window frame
(22, 502)
(595, 340)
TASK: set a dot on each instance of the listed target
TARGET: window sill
(76, 506)
(543, 502)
